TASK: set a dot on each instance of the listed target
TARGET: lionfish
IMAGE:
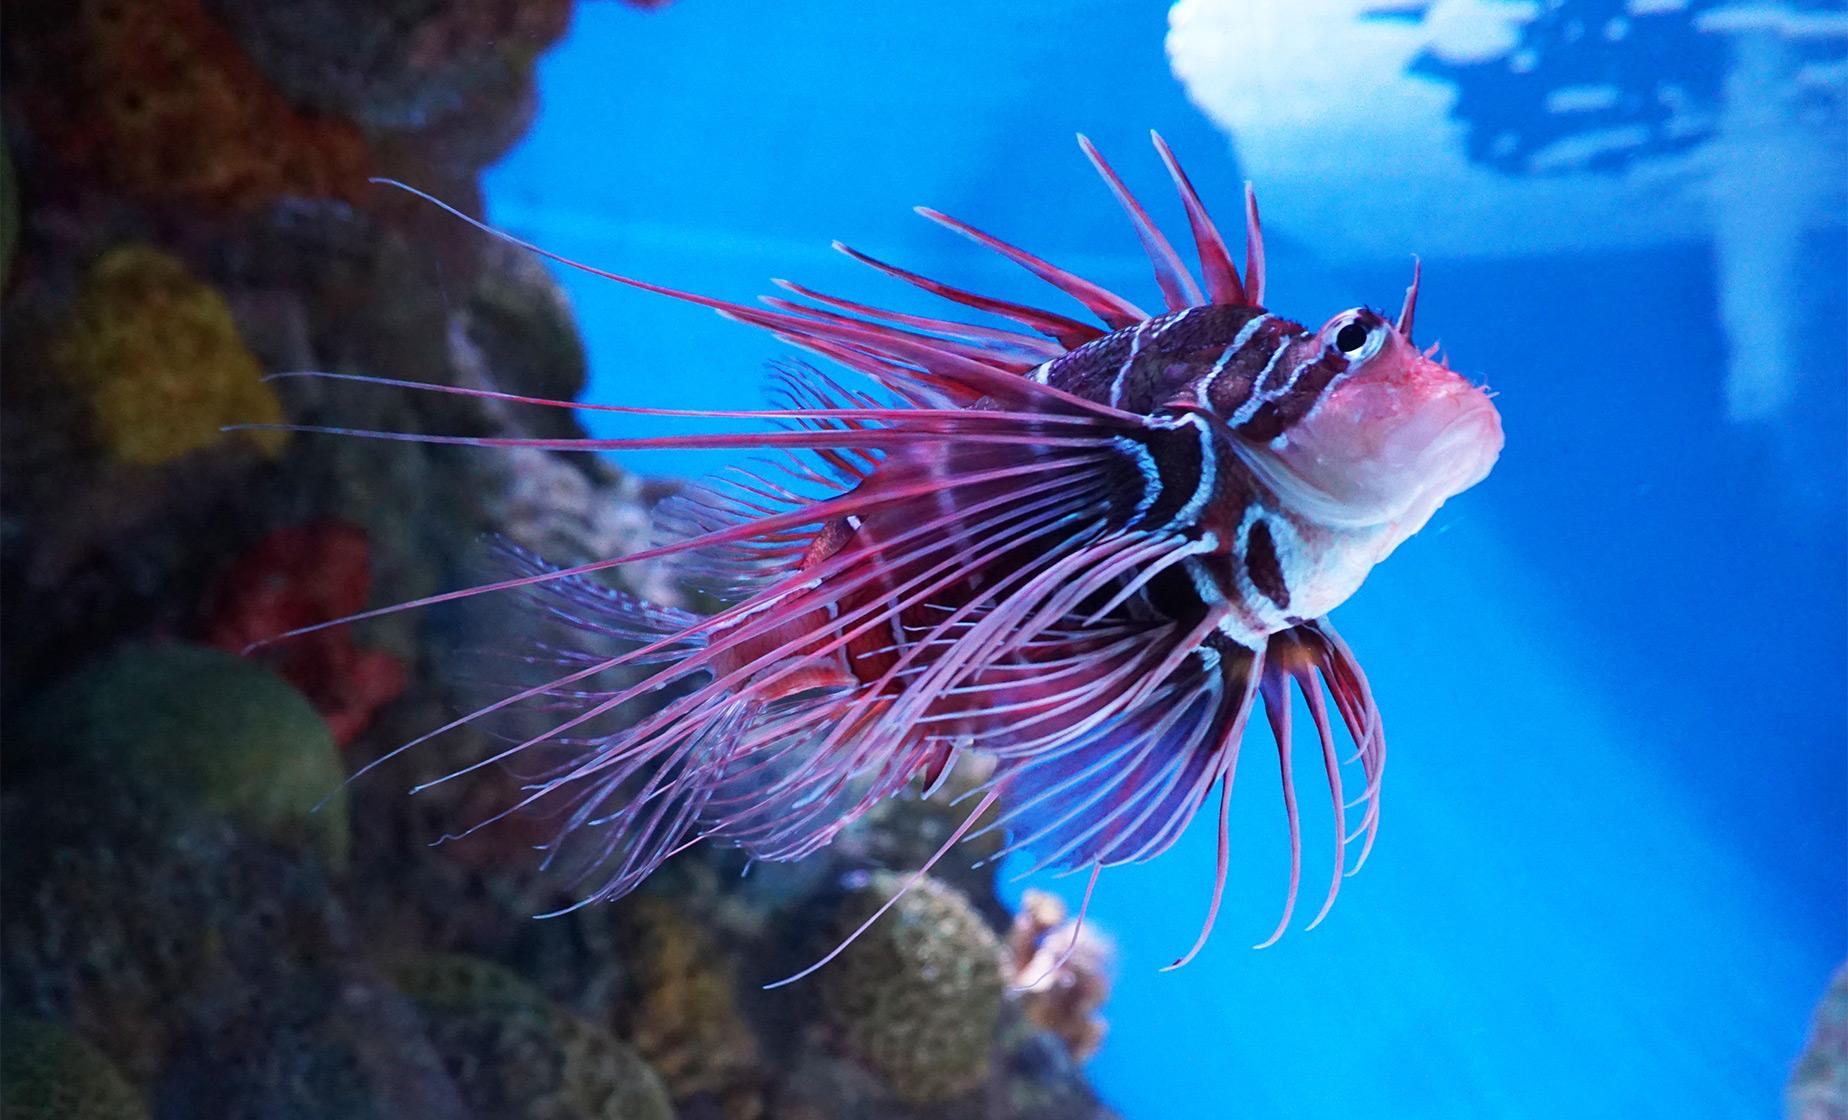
(1086, 550)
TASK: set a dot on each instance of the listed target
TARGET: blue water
(1610, 880)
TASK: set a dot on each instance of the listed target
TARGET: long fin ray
(1069, 333)
(1176, 283)
(1222, 282)
(1114, 310)
(972, 375)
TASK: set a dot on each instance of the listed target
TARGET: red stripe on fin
(973, 350)
(1176, 283)
(1113, 309)
(997, 341)
(1222, 282)
(1069, 333)
(983, 379)
(1254, 249)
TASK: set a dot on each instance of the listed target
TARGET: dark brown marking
(1262, 564)
(1178, 462)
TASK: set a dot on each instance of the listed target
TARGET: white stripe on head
(1251, 328)
(1135, 347)
(1175, 320)
(1284, 389)
(1225, 358)
(1256, 399)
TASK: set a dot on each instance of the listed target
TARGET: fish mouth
(1461, 453)
(1457, 446)
(1384, 455)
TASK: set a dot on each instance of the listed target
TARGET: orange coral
(159, 100)
(1061, 972)
(159, 360)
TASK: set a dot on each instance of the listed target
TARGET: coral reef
(684, 1017)
(1819, 1085)
(518, 323)
(191, 214)
(1039, 1079)
(1061, 971)
(461, 70)
(9, 215)
(146, 928)
(217, 971)
(918, 997)
(914, 1021)
(158, 358)
(157, 100)
(295, 577)
(49, 1073)
(902, 833)
(514, 1053)
(206, 729)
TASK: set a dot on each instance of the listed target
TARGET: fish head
(1395, 433)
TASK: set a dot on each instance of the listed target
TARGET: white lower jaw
(1340, 539)
(1454, 460)
(1298, 495)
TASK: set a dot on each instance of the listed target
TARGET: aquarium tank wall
(309, 339)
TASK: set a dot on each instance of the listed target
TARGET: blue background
(1610, 877)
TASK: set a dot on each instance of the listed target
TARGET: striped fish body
(1254, 371)
(1090, 551)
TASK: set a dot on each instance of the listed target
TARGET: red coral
(297, 577)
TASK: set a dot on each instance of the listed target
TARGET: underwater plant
(1086, 550)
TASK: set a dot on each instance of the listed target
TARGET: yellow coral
(158, 358)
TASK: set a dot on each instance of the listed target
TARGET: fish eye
(1351, 339)
(1358, 336)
